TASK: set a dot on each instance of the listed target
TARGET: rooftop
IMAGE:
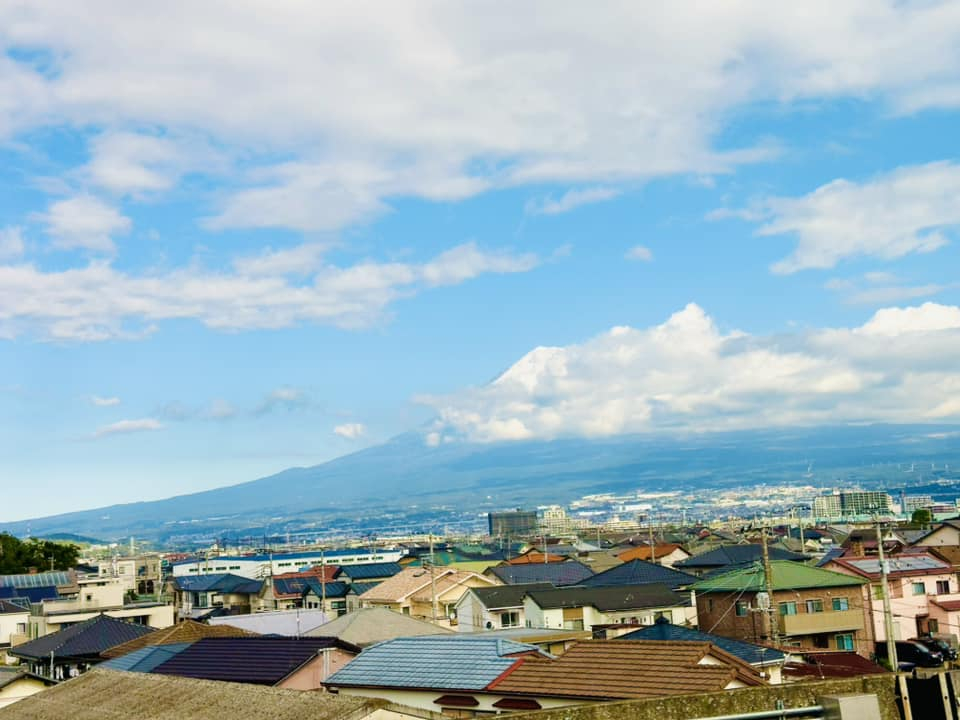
(218, 582)
(606, 599)
(571, 572)
(368, 626)
(186, 631)
(83, 640)
(787, 575)
(371, 570)
(735, 555)
(640, 572)
(897, 565)
(506, 596)
(748, 652)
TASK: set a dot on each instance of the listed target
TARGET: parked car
(913, 652)
(945, 649)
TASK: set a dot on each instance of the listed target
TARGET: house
(292, 663)
(202, 596)
(140, 574)
(947, 533)
(285, 592)
(667, 554)
(354, 591)
(425, 592)
(75, 649)
(583, 608)
(604, 670)
(571, 572)
(732, 557)
(108, 694)
(767, 661)
(448, 674)
(494, 608)
(372, 625)
(14, 620)
(330, 597)
(288, 623)
(185, 631)
(816, 608)
(16, 683)
(922, 588)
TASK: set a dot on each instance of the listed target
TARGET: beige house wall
(20, 689)
(312, 675)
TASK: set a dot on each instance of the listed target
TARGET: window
(788, 608)
(743, 607)
(877, 592)
(844, 641)
(841, 604)
(919, 588)
(933, 626)
(814, 606)
(943, 587)
(509, 619)
(709, 604)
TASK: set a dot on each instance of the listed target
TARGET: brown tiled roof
(183, 632)
(533, 557)
(832, 664)
(623, 669)
(412, 580)
(642, 552)
(949, 553)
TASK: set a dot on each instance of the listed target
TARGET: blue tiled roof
(219, 582)
(359, 588)
(640, 572)
(371, 570)
(32, 594)
(332, 589)
(86, 639)
(735, 555)
(257, 660)
(570, 572)
(831, 554)
(436, 662)
(753, 654)
(145, 659)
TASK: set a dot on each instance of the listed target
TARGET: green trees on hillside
(19, 556)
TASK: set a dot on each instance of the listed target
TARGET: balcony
(822, 622)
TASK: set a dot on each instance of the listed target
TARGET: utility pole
(433, 582)
(768, 583)
(323, 583)
(887, 611)
(653, 554)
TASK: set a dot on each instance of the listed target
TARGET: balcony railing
(822, 622)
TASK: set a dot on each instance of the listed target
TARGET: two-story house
(425, 593)
(815, 608)
(916, 583)
(494, 608)
(583, 608)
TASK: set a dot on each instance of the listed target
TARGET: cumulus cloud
(99, 302)
(84, 222)
(570, 200)
(104, 401)
(909, 210)
(442, 103)
(686, 375)
(11, 243)
(639, 252)
(351, 431)
(123, 427)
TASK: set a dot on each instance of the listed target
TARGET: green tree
(18, 556)
(921, 516)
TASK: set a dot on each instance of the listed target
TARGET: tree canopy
(19, 556)
(921, 516)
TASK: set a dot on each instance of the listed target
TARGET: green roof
(787, 575)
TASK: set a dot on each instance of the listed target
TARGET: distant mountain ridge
(406, 471)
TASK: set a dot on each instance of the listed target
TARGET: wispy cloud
(350, 431)
(285, 398)
(123, 427)
(639, 253)
(83, 222)
(570, 200)
(11, 243)
(104, 401)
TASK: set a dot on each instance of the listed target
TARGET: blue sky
(236, 239)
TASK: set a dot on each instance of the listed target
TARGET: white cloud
(98, 302)
(351, 431)
(881, 288)
(639, 252)
(83, 222)
(11, 243)
(570, 200)
(123, 427)
(104, 401)
(909, 210)
(365, 103)
(285, 398)
(685, 375)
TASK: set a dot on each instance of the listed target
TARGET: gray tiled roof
(570, 572)
(87, 639)
(438, 663)
(640, 572)
(506, 596)
(605, 599)
(145, 659)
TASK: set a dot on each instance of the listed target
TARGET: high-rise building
(852, 503)
(513, 523)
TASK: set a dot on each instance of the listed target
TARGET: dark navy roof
(332, 589)
(450, 662)
(663, 630)
(257, 660)
(640, 572)
(32, 594)
(506, 596)
(371, 570)
(145, 659)
(569, 572)
(735, 555)
(83, 640)
(831, 554)
(609, 598)
(9, 608)
(359, 588)
(219, 582)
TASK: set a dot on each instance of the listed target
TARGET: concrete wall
(683, 707)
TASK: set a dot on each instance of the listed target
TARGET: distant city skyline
(297, 231)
